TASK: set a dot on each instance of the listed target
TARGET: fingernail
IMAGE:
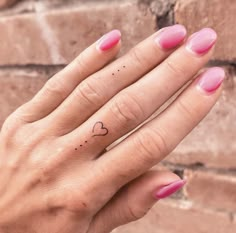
(212, 79)
(109, 40)
(171, 36)
(202, 41)
(169, 189)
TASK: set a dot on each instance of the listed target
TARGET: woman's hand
(55, 175)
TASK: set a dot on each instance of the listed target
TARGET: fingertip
(170, 37)
(109, 40)
(155, 185)
(201, 42)
(211, 80)
(169, 189)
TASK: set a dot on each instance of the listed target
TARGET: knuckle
(127, 110)
(82, 63)
(185, 110)
(151, 145)
(135, 212)
(137, 55)
(21, 136)
(22, 115)
(89, 93)
(56, 87)
(13, 126)
(74, 202)
(24, 138)
(174, 68)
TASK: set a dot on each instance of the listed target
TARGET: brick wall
(38, 38)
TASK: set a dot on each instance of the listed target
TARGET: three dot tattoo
(99, 129)
(81, 145)
(123, 67)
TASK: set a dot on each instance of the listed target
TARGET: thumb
(135, 199)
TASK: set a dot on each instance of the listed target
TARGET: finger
(96, 90)
(134, 200)
(136, 103)
(59, 87)
(156, 139)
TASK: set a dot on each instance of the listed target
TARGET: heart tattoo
(99, 129)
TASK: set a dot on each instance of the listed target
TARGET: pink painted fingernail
(212, 79)
(202, 41)
(171, 36)
(109, 40)
(169, 189)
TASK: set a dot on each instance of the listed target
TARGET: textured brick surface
(211, 189)
(5, 3)
(217, 14)
(180, 217)
(57, 36)
(212, 142)
(18, 87)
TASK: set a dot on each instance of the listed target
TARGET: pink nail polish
(202, 41)
(169, 189)
(212, 79)
(109, 40)
(171, 36)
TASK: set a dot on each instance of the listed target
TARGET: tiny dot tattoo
(119, 70)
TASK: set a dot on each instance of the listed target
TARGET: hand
(55, 175)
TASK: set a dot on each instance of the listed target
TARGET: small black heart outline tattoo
(99, 129)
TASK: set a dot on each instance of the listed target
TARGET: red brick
(172, 216)
(6, 3)
(212, 142)
(211, 189)
(217, 14)
(17, 87)
(57, 36)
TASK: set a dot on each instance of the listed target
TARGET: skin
(54, 173)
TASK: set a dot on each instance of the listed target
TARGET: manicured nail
(169, 189)
(171, 36)
(212, 79)
(109, 40)
(202, 41)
